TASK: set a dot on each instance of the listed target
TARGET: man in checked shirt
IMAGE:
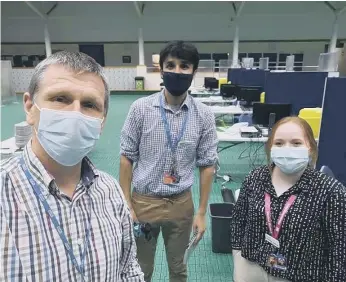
(164, 137)
(61, 219)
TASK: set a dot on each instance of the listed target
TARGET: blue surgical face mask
(67, 136)
(177, 83)
(290, 160)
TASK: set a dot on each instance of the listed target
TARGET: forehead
(288, 131)
(60, 79)
(175, 60)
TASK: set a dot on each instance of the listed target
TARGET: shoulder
(259, 173)
(8, 168)
(109, 187)
(143, 102)
(202, 110)
(325, 184)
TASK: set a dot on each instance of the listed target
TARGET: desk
(8, 148)
(229, 110)
(203, 93)
(213, 100)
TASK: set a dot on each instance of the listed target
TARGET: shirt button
(80, 241)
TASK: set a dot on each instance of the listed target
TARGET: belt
(162, 197)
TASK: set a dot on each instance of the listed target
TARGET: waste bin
(220, 227)
(139, 81)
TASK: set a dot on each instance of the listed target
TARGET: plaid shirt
(30, 247)
(144, 141)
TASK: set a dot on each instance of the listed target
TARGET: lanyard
(267, 206)
(40, 196)
(172, 145)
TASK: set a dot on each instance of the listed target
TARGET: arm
(238, 220)
(334, 228)
(130, 271)
(206, 160)
(125, 178)
(129, 149)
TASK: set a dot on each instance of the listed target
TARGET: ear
(29, 108)
(161, 72)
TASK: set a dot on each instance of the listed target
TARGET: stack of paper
(190, 248)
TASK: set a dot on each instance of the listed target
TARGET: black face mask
(177, 83)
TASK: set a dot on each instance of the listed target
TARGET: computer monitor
(211, 83)
(249, 94)
(262, 111)
(229, 90)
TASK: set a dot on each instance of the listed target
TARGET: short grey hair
(75, 61)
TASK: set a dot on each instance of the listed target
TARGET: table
(213, 100)
(203, 92)
(8, 148)
(229, 110)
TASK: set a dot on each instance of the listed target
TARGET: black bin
(220, 227)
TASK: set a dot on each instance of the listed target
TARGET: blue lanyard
(172, 145)
(80, 268)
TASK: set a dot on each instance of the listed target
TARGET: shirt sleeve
(238, 220)
(207, 147)
(131, 133)
(334, 223)
(11, 268)
(130, 271)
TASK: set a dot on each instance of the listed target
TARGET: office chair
(326, 170)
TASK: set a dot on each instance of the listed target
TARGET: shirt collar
(37, 170)
(304, 184)
(185, 104)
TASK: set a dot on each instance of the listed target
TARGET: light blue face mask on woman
(290, 160)
(67, 136)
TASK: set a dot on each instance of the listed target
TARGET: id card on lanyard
(172, 176)
(38, 193)
(276, 260)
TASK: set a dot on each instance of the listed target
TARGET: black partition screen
(332, 140)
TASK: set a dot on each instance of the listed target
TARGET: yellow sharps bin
(313, 117)
(222, 81)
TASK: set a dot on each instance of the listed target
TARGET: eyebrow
(85, 97)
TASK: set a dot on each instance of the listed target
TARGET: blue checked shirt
(144, 141)
(30, 247)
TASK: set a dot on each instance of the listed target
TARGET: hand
(199, 225)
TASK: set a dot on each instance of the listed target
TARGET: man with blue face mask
(61, 219)
(165, 136)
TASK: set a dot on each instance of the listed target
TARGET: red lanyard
(267, 207)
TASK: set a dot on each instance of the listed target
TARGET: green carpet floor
(204, 265)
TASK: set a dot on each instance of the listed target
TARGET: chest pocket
(186, 154)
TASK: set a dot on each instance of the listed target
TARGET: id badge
(170, 178)
(272, 241)
(277, 261)
(167, 179)
(272, 260)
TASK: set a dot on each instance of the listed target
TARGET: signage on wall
(126, 59)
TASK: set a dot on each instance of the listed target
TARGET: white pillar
(235, 63)
(332, 43)
(47, 41)
(141, 46)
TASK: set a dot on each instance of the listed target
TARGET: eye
(170, 65)
(60, 99)
(90, 105)
(185, 66)
(277, 144)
